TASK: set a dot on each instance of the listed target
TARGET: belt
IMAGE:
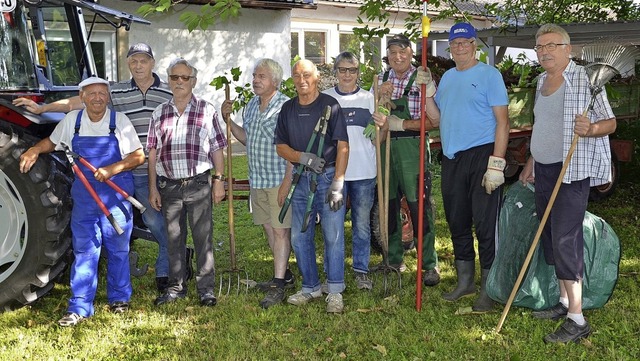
(407, 137)
(183, 180)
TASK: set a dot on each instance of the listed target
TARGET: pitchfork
(383, 203)
(232, 236)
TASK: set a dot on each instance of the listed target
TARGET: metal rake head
(608, 58)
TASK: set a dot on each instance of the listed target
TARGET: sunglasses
(344, 70)
(183, 77)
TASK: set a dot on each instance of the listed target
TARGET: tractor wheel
(35, 209)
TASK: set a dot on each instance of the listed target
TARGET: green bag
(517, 226)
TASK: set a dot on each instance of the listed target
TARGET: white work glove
(312, 162)
(494, 176)
(395, 123)
(334, 197)
(424, 77)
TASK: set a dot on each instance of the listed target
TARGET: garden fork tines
(233, 270)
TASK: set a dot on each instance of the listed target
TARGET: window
(315, 46)
(310, 45)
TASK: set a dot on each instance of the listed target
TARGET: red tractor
(45, 51)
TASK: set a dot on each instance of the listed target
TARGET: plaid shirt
(592, 157)
(399, 84)
(266, 168)
(185, 143)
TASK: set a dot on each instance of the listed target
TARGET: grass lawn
(372, 326)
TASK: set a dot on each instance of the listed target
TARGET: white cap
(92, 80)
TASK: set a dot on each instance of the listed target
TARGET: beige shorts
(265, 208)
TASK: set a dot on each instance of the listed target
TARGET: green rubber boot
(466, 272)
(484, 303)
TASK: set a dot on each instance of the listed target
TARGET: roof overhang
(267, 4)
(581, 33)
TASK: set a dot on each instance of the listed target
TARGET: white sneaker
(363, 282)
(302, 298)
(324, 287)
(334, 303)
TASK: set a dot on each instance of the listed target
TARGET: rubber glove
(335, 198)
(494, 176)
(424, 77)
(395, 123)
(312, 162)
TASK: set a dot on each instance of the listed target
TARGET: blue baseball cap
(462, 30)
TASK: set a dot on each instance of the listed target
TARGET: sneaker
(208, 299)
(431, 277)
(167, 297)
(274, 296)
(119, 307)
(302, 298)
(289, 282)
(363, 282)
(569, 331)
(70, 319)
(334, 303)
(324, 287)
(553, 313)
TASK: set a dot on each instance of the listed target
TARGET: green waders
(403, 179)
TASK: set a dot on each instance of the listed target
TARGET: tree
(210, 13)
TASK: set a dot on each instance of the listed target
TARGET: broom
(606, 59)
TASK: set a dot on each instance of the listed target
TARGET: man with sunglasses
(401, 84)
(185, 142)
(474, 129)
(136, 98)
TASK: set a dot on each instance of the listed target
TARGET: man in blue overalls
(109, 141)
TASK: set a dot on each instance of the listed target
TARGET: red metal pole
(423, 119)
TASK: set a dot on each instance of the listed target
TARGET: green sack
(517, 227)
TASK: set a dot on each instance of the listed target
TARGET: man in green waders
(402, 82)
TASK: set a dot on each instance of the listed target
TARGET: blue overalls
(90, 226)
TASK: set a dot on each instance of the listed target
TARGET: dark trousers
(467, 204)
(562, 236)
(190, 200)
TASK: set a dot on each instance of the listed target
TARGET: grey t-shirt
(546, 139)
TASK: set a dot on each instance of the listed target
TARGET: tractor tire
(35, 209)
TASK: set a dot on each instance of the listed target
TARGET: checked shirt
(592, 157)
(185, 142)
(399, 84)
(266, 167)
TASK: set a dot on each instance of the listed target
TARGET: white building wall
(257, 33)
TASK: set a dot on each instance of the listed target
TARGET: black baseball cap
(399, 40)
(140, 48)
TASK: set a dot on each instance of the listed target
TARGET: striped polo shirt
(127, 98)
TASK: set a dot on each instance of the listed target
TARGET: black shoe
(208, 299)
(162, 283)
(168, 297)
(189, 259)
(119, 307)
(274, 296)
(569, 331)
(431, 277)
(554, 313)
(289, 282)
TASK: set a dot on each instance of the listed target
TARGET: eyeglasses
(549, 47)
(464, 44)
(344, 70)
(183, 77)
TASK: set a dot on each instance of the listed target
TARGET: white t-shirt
(357, 108)
(125, 132)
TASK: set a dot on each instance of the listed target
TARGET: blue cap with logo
(462, 30)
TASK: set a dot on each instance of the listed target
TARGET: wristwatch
(220, 177)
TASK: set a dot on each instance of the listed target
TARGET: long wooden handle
(232, 233)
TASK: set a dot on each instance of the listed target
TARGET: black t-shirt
(296, 124)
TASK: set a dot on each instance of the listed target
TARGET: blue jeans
(155, 222)
(361, 194)
(303, 244)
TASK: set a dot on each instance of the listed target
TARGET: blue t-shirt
(296, 123)
(465, 99)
